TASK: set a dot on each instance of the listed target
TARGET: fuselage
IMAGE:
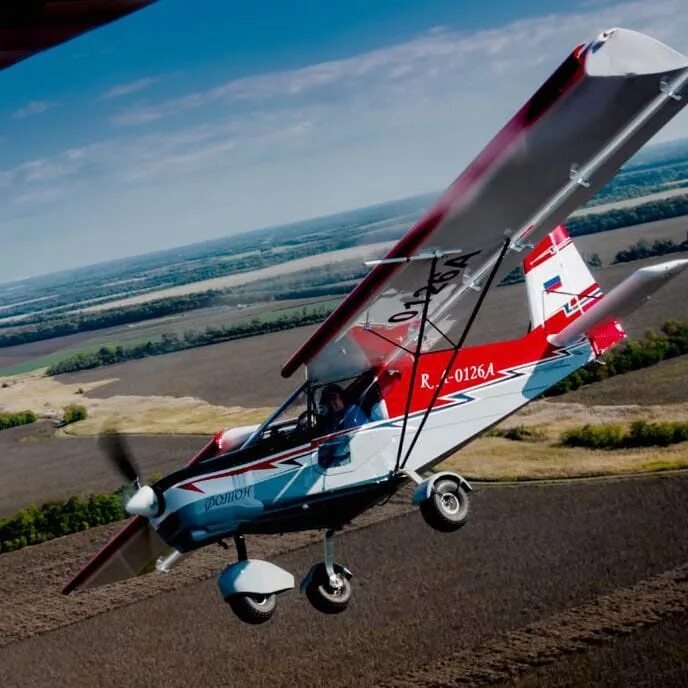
(286, 478)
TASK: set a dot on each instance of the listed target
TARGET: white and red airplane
(391, 387)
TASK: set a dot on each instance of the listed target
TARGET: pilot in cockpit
(335, 414)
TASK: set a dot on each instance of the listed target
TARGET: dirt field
(37, 466)
(246, 372)
(607, 244)
(243, 373)
(151, 414)
(655, 657)
(666, 382)
(577, 565)
(12, 355)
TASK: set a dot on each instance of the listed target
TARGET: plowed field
(544, 576)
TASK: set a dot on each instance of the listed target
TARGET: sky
(191, 121)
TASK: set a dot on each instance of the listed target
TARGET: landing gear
(327, 585)
(250, 586)
(448, 506)
(253, 609)
(443, 499)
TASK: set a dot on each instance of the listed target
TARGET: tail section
(565, 300)
(559, 284)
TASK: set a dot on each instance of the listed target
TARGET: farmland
(625, 564)
(319, 257)
(505, 308)
(544, 572)
(491, 570)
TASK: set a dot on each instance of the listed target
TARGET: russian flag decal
(552, 284)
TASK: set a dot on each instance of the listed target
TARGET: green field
(152, 331)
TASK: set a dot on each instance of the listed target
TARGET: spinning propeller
(144, 502)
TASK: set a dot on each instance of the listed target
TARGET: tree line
(36, 524)
(613, 436)
(671, 341)
(651, 211)
(642, 249)
(97, 320)
(109, 355)
(12, 420)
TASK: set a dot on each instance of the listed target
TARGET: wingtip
(669, 268)
(623, 52)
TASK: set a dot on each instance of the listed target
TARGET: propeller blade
(116, 449)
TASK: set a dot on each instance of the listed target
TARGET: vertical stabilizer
(557, 279)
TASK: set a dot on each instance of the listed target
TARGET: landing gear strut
(327, 585)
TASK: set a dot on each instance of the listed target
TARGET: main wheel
(448, 507)
(325, 597)
(253, 609)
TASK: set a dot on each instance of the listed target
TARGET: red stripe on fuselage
(474, 367)
(261, 465)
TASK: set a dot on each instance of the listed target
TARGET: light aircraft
(392, 386)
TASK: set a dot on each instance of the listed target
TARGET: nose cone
(143, 503)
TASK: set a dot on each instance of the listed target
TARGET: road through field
(529, 554)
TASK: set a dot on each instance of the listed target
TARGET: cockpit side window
(291, 425)
(348, 403)
(317, 410)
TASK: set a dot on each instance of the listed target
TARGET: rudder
(557, 279)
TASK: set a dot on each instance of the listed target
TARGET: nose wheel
(253, 609)
(328, 584)
(250, 586)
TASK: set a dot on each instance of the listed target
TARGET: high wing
(28, 27)
(597, 109)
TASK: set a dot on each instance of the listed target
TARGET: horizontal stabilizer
(621, 300)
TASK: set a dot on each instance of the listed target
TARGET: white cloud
(441, 53)
(280, 146)
(136, 86)
(35, 107)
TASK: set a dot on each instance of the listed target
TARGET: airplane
(391, 386)
(392, 383)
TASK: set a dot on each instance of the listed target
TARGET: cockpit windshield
(291, 421)
(318, 410)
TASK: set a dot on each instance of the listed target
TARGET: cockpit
(317, 410)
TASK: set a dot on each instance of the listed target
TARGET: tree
(74, 413)
(594, 261)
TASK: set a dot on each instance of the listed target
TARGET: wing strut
(456, 349)
(416, 357)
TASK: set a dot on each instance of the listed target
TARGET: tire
(253, 609)
(323, 596)
(448, 507)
